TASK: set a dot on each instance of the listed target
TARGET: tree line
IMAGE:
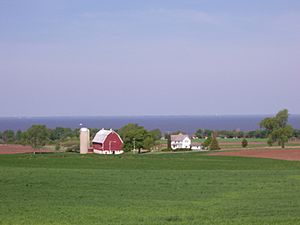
(133, 135)
(204, 133)
(38, 135)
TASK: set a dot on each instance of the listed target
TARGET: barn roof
(102, 135)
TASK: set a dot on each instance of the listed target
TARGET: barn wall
(116, 143)
(97, 146)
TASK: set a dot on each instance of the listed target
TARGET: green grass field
(181, 188)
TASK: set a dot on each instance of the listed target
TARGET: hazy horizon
(114, 58)
(173, 115)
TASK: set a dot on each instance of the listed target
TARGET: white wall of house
(185, 143)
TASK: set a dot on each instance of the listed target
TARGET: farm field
(183, 188)
(17, 149)
(284, 154)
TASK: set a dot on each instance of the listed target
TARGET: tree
(133, 136)
(168, 137)
(37, 135)
(277, 128)
(60, 133)
(155, 134)
(214, 145)
(148, 142)
(199, 133)
(8, 136)
(18, 136)
(244, 143)
(202, 133)
(296, 133)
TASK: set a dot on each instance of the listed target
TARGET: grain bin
(84, 140)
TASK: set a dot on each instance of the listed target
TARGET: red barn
(107, 142)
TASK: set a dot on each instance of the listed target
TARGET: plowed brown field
(19, 149)
(285, 154)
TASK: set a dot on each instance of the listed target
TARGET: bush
(244, 143)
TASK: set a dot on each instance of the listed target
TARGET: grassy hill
(189, 188)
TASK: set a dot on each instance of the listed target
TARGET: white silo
(84, 140)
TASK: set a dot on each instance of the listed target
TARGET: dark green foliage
(244, 143)
(168, 137)
(278, 129)
(203, 133)
(133, 135)
(37, 135)
(61, 133)
(296, 133)
(148, 142)
(188, 188)
(256, 134)
(155, 134)
(18, 137)
(282, 135)
(8, 136)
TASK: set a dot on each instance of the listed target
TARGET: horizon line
(145, 115)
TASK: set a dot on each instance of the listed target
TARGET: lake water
(188, 124)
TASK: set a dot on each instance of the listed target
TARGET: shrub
(244, 143)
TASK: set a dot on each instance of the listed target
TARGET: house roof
(179, 137)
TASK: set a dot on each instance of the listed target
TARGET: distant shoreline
(188, 124)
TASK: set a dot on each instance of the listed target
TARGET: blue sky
(88, 57)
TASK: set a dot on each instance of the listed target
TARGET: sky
(158, 57)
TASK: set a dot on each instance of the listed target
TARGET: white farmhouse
(180, 141)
